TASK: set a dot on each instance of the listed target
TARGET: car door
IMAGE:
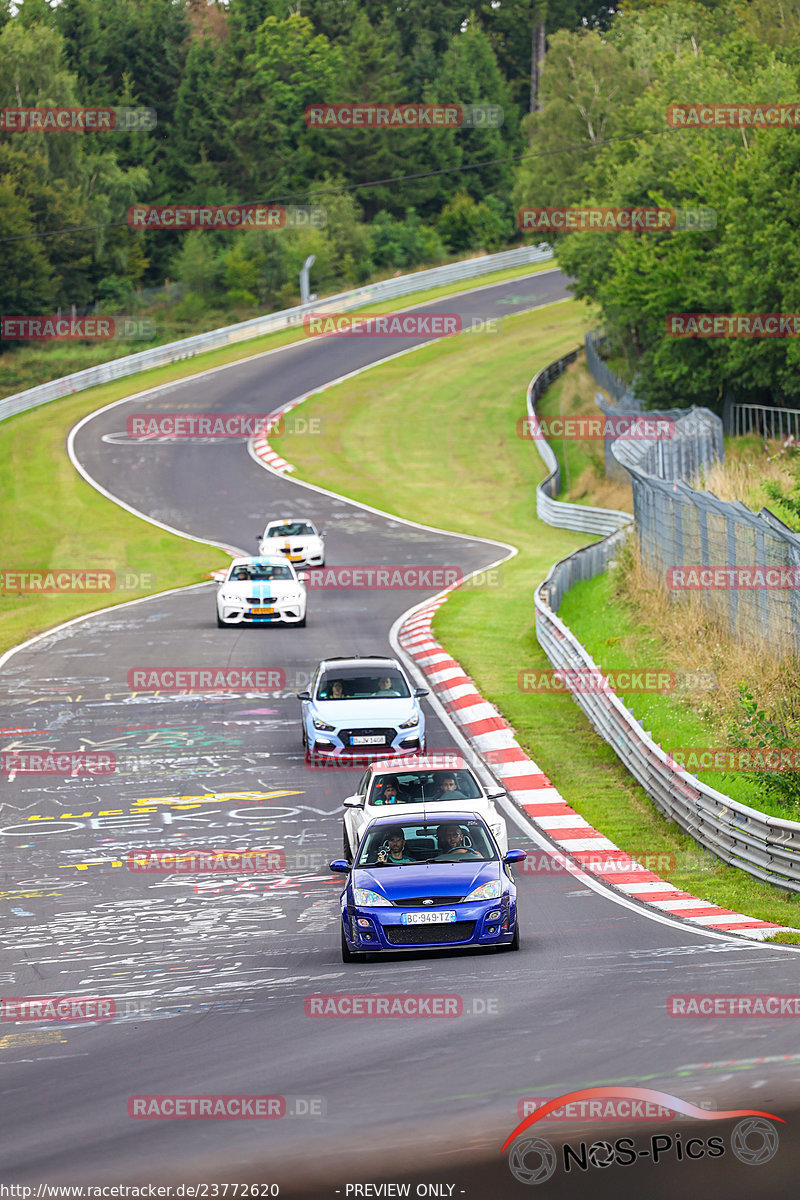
(354, 818)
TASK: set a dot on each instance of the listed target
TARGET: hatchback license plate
(367, 740)
(442, 917)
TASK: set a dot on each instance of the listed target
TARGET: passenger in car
(386, 685)
(395, 850)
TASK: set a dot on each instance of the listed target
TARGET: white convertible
(261, 591)
(428, 787)
(299, 541)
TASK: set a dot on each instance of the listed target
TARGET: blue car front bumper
(481, 923)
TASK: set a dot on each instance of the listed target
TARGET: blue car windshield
(409, 842)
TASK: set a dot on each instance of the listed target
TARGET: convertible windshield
(260, 573)
(408, 843)
(350, 684)
(296, 529)
(416, 787)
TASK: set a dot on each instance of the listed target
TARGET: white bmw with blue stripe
(261, 591)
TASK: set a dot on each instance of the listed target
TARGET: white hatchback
(427, 787)
(261, 591)
(299, 541)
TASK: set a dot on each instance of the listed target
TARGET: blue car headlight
(410, 724)
(322, 726)
(487, 891)
(370, 899)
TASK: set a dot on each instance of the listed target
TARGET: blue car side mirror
(514, 856)
(339, 866)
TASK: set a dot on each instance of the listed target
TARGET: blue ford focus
(424, 884)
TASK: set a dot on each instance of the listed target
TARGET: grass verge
(454, 461)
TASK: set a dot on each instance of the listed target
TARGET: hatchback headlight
(487, 891)
(370, 899)
(410, 724)
(322, 726)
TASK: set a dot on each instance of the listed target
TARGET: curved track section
(212, 976)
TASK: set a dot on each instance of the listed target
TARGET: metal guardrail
(157, 356)
(777, 423)
(558, 512)
(766, 847)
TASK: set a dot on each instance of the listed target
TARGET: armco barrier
(556, 512)
(374, 293)
(766, 847)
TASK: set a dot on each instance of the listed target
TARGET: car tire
(515, 941)
(222, 624)
(302, 622)
(347, 954)
(346, 847)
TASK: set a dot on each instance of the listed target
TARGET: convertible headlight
(487, 891)
(370, 899)
(321, 725)
(410, 724)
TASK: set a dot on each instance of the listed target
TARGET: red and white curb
(492, 737)
(260, 443)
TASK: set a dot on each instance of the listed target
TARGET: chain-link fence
(745, 567)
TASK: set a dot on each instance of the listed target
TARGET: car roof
(356, 660)
(393, 766)
(290, 521)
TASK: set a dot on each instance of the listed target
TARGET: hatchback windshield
(356, 684)
(416, 787)
(409, 842)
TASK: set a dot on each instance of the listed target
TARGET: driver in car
(449, 789)
(451, 840)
